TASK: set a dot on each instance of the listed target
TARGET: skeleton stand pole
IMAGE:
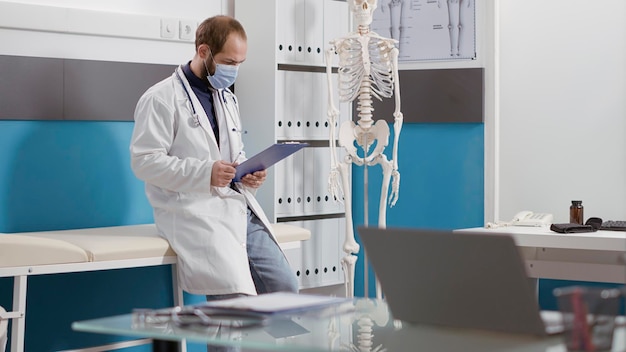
(365, 223)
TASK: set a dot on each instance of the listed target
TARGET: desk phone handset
(528, 218)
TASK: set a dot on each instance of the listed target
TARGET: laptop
(461, 280)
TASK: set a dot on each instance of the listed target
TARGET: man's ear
(204, 51)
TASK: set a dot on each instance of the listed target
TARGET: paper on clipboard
(267, 158)
(276, 303)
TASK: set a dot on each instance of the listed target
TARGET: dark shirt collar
(194, 80)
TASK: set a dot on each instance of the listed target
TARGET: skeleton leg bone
(377, 134)
(348, 263)
(349, 245)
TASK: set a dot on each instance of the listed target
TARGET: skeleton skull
(362, 11)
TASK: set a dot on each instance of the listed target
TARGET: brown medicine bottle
(576, 212)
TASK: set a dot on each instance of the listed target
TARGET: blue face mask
(224, 76)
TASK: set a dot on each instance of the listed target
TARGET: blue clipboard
(267, 158)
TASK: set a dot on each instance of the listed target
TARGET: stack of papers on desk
(276, 303)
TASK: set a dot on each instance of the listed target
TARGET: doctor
(185, 146)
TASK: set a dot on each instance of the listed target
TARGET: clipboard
(268, 157)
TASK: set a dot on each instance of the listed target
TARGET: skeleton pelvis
(352, 135)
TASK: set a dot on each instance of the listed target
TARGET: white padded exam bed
(80, 250)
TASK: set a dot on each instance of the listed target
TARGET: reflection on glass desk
(361, 325)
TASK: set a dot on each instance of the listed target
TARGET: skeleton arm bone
(334, 185)
(397, 127)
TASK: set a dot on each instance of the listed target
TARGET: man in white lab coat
(185, 145)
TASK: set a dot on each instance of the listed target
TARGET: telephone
(528, 218)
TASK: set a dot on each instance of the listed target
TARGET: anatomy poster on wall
(428, 29)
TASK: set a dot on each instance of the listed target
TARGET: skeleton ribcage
(354, 67)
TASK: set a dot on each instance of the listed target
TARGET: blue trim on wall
(441, 185)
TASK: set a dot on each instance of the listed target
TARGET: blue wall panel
(441, 186)
(65, 175)
(61, 175)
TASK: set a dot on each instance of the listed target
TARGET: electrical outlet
(169, 27)
(187, 30)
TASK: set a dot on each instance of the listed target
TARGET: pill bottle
(576, 212)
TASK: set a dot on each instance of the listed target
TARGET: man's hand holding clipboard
(266, 158)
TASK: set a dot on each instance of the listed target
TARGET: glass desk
(363, 322)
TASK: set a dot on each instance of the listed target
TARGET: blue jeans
(269, 267)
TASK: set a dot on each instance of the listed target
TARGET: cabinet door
(316, 108)
(323, 202)
(284, 186)
(321, 255)
(309, 169)
(289, 104)
(300, 82)
(314, 32)
(299, 15)
(310, 256)
(293, 253)
(336, 21)
(297, 173)
(293, 104)
(330, 243)
(281, 106)
(285, 30)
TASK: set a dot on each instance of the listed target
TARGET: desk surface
(336, 330)
(591, 256)
(528, 236)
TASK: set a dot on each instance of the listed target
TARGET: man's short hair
(215, 30)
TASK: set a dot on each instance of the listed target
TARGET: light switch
(169, 27)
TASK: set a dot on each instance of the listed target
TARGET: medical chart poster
(428, 29)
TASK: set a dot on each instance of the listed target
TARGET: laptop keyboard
(614, 225)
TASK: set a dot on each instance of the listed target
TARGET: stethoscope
(222, 93)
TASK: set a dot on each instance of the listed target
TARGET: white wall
(184, 8)
(555, 85)
(561, 114)
(114, 30)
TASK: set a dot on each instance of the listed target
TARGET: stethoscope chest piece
(194, 121)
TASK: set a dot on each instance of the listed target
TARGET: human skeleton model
(368, 67)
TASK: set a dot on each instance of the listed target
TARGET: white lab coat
(173, 153)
